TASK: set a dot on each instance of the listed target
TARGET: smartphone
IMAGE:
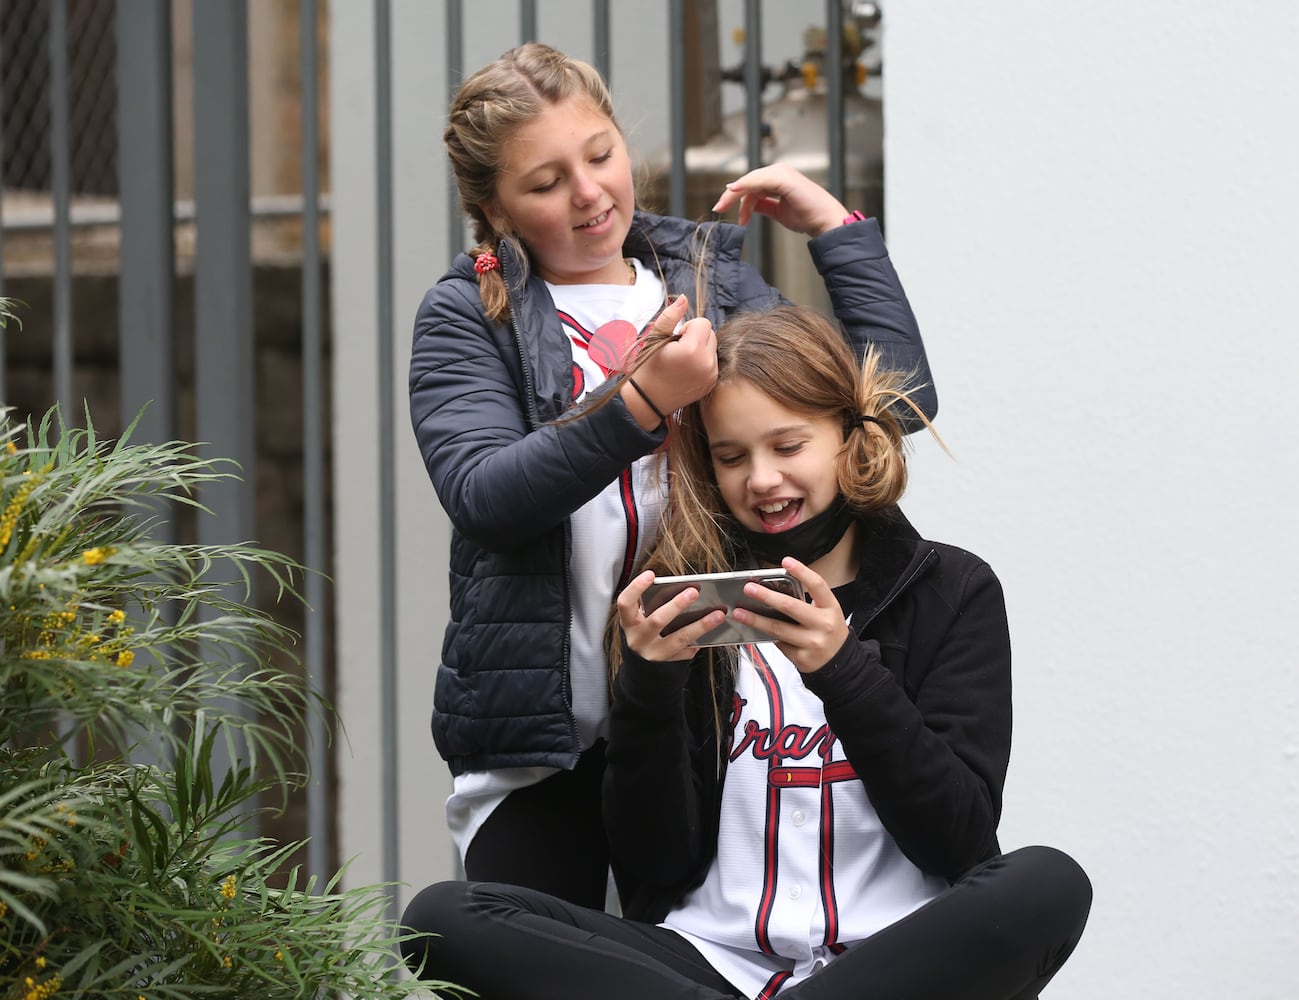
(725, 591)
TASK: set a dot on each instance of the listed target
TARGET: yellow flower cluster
(43, 990)
(229, 887)
(4, 909)
(93, 557)
(13, 510)
(61, 636)
(37, 845)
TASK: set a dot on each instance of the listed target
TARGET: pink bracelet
(856, 216)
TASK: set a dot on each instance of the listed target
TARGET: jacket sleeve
(867, 298)
(656, 800)
(934, 767)
(501, 480)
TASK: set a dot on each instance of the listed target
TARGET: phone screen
(724, 591)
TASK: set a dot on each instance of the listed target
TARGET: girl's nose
(585, 189)
(764, 475)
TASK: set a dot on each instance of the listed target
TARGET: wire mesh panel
(25, 95)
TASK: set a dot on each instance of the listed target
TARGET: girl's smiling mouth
(779, 515)
(597, 221)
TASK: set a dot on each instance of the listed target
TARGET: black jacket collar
(892, 556)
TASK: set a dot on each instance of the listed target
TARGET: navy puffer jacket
(483, 398)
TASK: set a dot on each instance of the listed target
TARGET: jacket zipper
(902, 585)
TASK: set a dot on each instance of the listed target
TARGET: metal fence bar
(4, 378)
(455, 55)
(753, 247)
(527, 20)
(313, 449)
(147, 249)
(677, 108)
(600, 31)
(387, 491)
(264, 206)
(60, 163)
(223, 261)
(834, 102)
(223, 322)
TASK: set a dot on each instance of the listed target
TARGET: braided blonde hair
(487, 111)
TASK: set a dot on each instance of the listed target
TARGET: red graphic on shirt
(614, 346)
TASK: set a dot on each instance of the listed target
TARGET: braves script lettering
(790, 742)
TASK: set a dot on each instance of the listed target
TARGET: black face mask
(808, 541)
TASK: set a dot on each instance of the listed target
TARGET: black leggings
(549, 836)
(1000, 933)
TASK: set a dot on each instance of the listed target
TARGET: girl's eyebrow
(593, 139)
(775, 432)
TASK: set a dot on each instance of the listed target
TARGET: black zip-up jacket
(483, 398)
(918, 696)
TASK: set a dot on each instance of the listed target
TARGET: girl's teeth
(773, 508)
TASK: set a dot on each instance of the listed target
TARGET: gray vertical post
(223, 265)
(753, 245)
(147, 268)
(313, 448)
(223, 350)
(60, 161)
(527, 20)
(600, 19)
(387, 488)
(455, 52)
(834, 103)
(677, 108)
(4, 380)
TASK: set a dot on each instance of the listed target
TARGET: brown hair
(799, 358)
(487, 110)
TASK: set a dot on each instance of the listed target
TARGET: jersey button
(795, 891)
(799, 817)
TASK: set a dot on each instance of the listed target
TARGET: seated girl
(814, 815)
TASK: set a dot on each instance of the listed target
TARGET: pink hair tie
(485, 262)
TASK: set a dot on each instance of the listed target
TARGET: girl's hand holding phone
(820, 629)
(644, 632)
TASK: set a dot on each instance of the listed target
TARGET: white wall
(1094, 208)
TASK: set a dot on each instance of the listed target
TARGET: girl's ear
(494, 216)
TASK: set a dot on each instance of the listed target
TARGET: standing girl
(813, 816)
(550, 513)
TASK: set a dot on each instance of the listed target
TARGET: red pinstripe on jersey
(773, 985)
(781, 776)
(771, 835)
(628, 491)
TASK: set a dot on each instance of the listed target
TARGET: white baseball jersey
(804, 867)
